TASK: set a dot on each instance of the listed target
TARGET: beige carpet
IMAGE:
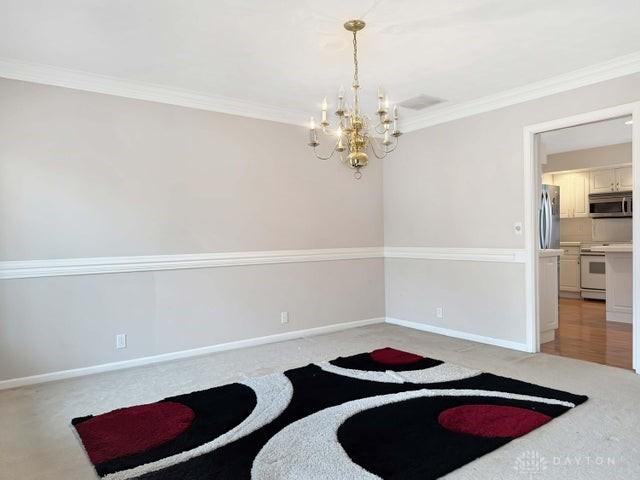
(597, 440)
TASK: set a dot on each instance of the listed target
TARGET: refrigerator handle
(549, 221)
(542, 220)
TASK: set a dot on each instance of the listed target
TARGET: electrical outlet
(439, 312)
(284, 317)
(121, 341)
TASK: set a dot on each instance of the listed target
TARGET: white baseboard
(137, 362)
(459, 334)
(252, 342)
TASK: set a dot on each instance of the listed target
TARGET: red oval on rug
(391, 356)
(133, 430)
(491, 420)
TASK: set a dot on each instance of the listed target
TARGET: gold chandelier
(354, 133)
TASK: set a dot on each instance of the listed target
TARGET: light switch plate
(517, 228)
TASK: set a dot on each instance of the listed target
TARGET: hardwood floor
(585, 334)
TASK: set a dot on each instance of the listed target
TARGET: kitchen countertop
(550, 252)
(570, 244)
(620, 248)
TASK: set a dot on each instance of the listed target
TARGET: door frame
(531, 193)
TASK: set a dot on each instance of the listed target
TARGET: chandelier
(355, 134)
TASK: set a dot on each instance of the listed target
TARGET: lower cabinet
(570, 270)
(548, 291)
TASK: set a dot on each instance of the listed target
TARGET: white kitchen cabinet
(611, 180)
(570, 270)
(602, 181)
(548, 291)
(580, 194)
(624, 179)
(574, 194)
(562, 181)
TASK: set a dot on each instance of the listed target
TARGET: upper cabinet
(576, 186)
(624, 179)
(574, 194)
(602, 181)
(611, 180)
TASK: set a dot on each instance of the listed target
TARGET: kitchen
(586, 209)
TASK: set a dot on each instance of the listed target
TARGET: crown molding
(617, 67)
(79, 80)
(91, 82)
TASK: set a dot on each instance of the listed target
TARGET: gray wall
(88, 175)
(460, 184)
(588, 158)
(85, 174)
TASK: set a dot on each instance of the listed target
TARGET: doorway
(586, 165)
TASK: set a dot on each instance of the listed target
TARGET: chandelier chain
(355, 61)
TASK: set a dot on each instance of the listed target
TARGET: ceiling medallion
(354, 133)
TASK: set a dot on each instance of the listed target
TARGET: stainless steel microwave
(611, 204)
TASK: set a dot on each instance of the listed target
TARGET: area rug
(385, 414)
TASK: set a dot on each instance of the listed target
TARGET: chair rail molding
(146, 263)
(503, 255)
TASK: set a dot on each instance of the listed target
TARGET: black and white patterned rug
(385, 414)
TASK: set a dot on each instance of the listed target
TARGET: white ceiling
(290, 53)
(598, 134)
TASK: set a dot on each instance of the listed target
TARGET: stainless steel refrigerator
(549, 214)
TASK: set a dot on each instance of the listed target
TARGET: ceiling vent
(420, 102)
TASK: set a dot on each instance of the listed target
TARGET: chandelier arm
(320, 157)
(395, 145)
(379, 128)
(373, 149)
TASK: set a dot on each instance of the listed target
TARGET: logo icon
(530, 463)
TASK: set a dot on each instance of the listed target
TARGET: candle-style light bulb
(313, 136)
(386, 141)
(324, 122)
(340, 109)
(340, 146)
(395, 112)
(380, 100)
